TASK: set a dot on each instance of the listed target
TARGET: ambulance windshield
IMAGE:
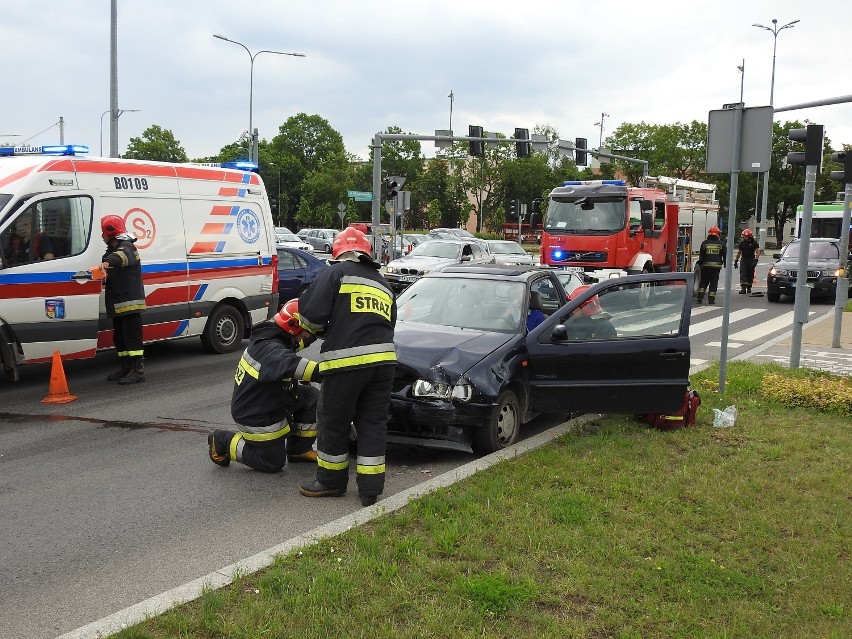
(597, 215)
(4, 200)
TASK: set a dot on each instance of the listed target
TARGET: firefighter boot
(126, 367)
(711, 299)
(743, 289)
(136, 373)
(317, 489)
(699, 299)
(220, 458)
(309, 456)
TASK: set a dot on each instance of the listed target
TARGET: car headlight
(391, 269)
(462, 391)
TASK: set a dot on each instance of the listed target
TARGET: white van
(204, 233)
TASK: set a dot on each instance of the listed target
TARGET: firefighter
(125, 299)
(748, 251)
(352, 307)
(276, 413)
(711, 259)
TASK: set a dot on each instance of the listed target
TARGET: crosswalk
(737, 339)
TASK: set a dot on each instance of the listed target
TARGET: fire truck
(606, 228)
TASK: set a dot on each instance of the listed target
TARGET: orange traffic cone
(58, 393)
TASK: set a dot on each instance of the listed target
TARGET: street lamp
(774, 30)
(252, 56)
(118, 115)
(601, 125)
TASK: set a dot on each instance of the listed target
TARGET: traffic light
(845, 158)
(580, 156)
(477, 149)
(522, 147)
(812, 136)
(391, 188)
(514, 209)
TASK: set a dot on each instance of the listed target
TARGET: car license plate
(573, 269)
(408, 278)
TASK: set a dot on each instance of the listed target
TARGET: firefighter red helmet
(592, 306)
(112, 225)
(287, 318)
(714, 230)
(350, 239)
(747, 233)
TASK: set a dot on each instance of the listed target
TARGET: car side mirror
(777, 256)
(559, 334)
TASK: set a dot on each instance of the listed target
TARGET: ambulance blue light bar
(52, 149)
(242, 165)
(595, 182)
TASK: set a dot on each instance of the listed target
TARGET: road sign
(733, 105)
(755, 142)
(360, 196)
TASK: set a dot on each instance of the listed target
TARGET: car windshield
(506, 248)
(289, 237)
(816, 250)
(586, 215)
(475, 304)
(436, 249)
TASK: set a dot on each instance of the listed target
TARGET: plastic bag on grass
(724, 418)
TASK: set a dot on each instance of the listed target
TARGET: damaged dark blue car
(483, 349)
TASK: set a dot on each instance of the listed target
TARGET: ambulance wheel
(7, 359)
(224, 330)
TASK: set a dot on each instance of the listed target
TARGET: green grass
(615, 530)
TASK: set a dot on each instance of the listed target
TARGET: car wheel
(773, 297)
(224, 330)
(502, 428)
(326, 249)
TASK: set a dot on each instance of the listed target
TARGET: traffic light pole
(842, 295)
(803, 291)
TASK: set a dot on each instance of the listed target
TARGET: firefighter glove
(736, 264)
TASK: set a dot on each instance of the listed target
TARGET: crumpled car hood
(420, 347)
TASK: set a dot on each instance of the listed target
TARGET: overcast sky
(372, 64)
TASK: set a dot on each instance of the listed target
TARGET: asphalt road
(111, 499)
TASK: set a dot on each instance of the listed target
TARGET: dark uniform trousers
(266, 449)
(709, 279)
(127, 335)
(359, 396)
(747, 272)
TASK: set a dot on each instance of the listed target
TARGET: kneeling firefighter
(276, 413)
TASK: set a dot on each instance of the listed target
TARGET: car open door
(612, 350)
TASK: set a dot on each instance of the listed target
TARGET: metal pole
(113, 81)
(377, 181)
(729, 251)
(803, 291)
(102, 131)
(842, 295)
(451, 97)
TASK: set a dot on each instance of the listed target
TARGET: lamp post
(118, 112)
(252, 56)
(601, 125)
(774, 30)
(451, 97)
(281, 218)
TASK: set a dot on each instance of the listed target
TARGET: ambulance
(204, 233)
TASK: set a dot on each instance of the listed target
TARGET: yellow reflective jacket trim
(357, 360)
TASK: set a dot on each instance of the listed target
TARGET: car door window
(287, 261)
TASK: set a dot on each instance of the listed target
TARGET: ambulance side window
(48, 230)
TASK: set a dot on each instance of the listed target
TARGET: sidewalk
(816, 350)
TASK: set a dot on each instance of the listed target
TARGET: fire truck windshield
(586, 215)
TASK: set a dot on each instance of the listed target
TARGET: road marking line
(716, 322)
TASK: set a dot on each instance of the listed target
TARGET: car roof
(513, 272)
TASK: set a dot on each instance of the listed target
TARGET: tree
(444, 193)
(156, 144)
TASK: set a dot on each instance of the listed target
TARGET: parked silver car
(320, 239)
(509, 252)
